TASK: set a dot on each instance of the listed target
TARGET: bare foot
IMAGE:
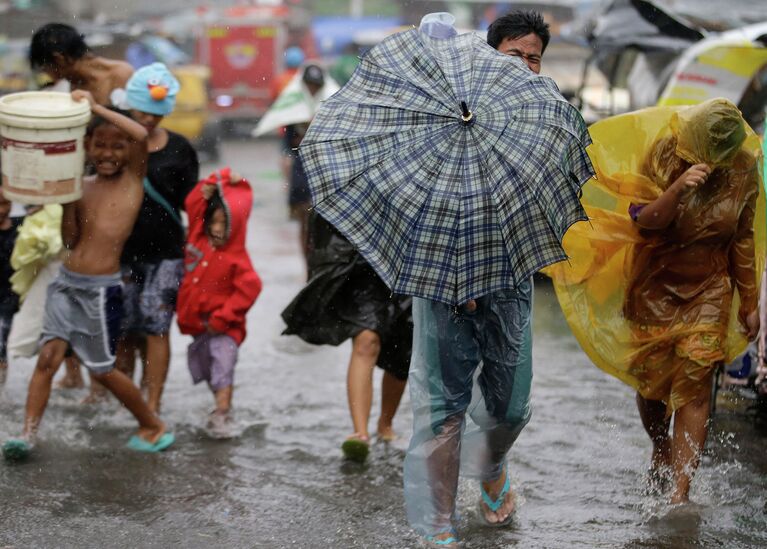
(3, 374)
(493, 489)
(70, 381)
(386, 433)
(96, 396)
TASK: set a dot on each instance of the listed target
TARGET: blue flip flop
(432, 541)
(16, 449)
(495, 505)
(140, 445)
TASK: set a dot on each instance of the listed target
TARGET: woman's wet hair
(517, 24)
(97, 120)
(55, 38)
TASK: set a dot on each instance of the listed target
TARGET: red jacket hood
(237, 198)
(220, 284)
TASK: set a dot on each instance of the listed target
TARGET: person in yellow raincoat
(658, 287)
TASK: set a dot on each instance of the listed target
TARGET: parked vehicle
(191, 117)
(243, 47)
(659, 57)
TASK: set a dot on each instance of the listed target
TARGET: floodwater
(578, 466)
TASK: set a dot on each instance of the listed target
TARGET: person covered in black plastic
(344, 299)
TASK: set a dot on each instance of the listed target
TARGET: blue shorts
(149, 296)
(454, 342)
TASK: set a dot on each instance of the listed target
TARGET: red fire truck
(243, 46)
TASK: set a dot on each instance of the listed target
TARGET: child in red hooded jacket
(219, 286)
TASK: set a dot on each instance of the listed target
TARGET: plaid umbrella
(453, 168)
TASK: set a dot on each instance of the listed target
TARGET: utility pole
(356, 8)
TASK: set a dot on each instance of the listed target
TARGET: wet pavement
(578, 466)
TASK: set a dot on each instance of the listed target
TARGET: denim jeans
(453, 346)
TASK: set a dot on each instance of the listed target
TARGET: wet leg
(224, 399)
(689, 438)
(444, 359)
(48, 363)
(656, 424)
(443, 465)
(391, 394)
(156, 369)
(97, 393)
(303, 220)
(150, 426)
(73, 377)
(359, 380)
(125, 357)
(505, 328)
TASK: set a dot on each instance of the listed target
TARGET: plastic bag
(38, 242)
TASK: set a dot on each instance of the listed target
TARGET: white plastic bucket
(42, 146)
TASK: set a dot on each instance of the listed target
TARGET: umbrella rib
(445, 102)
(426, 202)
(446, 120)
(427, 136)
(499, 74)
(423, 208)
(537, 205)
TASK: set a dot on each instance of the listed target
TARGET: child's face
(217, 228)
(148, 120)
(108, 149)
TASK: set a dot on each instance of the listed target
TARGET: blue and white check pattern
(440, 209)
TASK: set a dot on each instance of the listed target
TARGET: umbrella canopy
(453, 168)
(295, 105)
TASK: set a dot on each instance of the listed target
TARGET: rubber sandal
(140, 445)
(355, 449)
(16, 449)
(495, 505)
(450, 541)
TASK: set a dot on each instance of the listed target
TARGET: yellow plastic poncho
(37, 243)
(658, 309)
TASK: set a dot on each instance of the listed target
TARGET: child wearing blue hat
(153, 258)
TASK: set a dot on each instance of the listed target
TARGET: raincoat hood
(220, 284)
(709, 133)
(237, 200)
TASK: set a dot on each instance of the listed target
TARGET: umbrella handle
(467, 116)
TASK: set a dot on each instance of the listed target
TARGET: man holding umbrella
(456, 171)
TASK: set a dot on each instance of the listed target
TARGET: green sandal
(16, 449)
(356, 449)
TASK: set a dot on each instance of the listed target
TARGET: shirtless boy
(84, 302)
(61, 52)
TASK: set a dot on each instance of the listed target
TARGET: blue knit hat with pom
(152, 89)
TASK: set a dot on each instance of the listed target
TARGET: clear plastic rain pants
(477, 361)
